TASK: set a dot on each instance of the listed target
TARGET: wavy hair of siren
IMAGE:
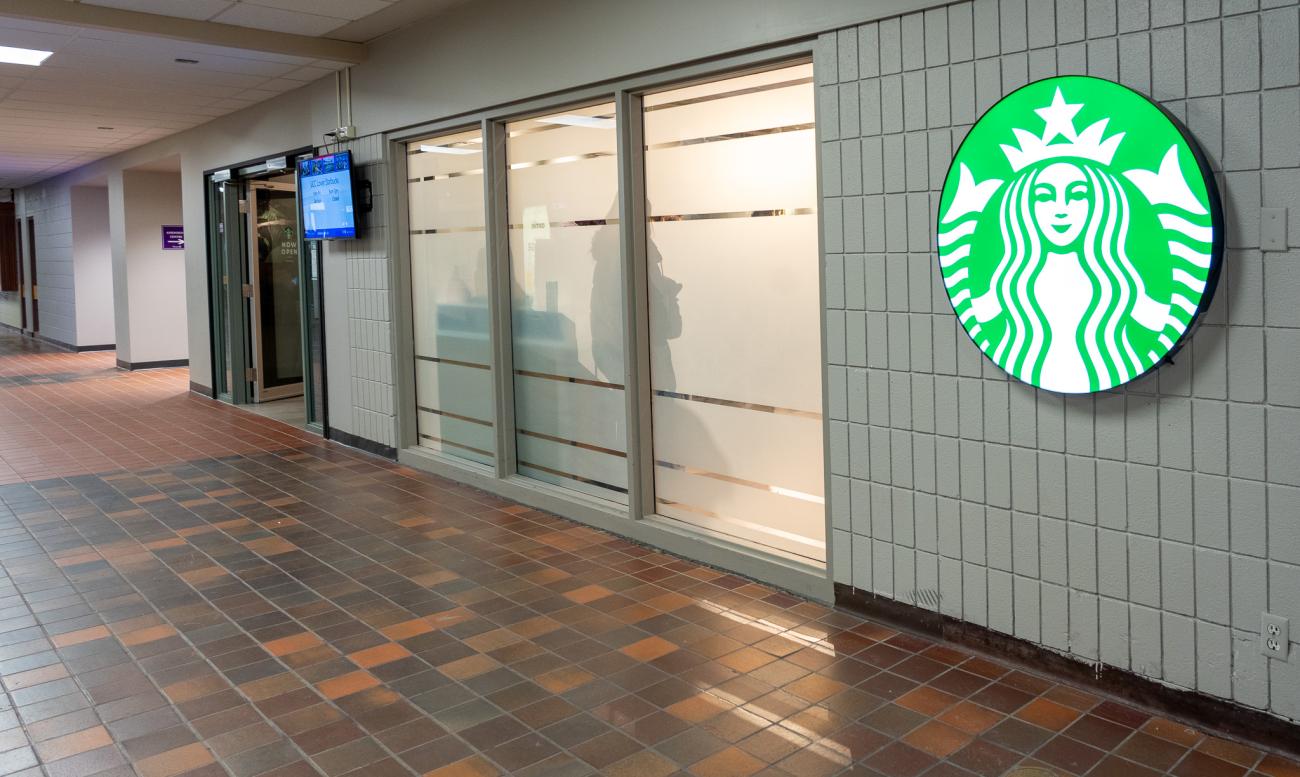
(1116, 284)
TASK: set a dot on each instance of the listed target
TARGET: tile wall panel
(1144, 528)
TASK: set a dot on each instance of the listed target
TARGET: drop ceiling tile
(278, 20)
(185, 9)
(341, 9)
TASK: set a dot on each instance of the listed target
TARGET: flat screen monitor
(325, 187)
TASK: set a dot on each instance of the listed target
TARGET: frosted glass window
(449, 296)
(566, 295)
(735, 334)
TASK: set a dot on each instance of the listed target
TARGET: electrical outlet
(1274, 636)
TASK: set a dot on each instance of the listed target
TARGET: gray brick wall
(1144, 528)
(51, 207)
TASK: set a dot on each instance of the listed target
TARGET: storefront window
(449, 296)
(566, 300)
(734, 288)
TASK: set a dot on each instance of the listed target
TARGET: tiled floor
(188, 589)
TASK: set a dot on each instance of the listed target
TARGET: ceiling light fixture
(15, 56)
(186, 61)
(574, 120)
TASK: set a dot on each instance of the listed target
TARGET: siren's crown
(1059, 120)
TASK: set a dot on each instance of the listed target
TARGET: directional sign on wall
(1079, 233)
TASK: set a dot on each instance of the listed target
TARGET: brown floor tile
(307, 609)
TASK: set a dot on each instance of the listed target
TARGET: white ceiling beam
(191, 30)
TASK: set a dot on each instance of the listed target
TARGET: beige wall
(149, 282)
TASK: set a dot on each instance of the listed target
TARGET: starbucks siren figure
(1065, 291)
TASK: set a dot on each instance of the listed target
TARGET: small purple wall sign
(173, 237)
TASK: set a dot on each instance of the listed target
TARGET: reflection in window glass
(735, 334)
(449, 295)
(566, 292)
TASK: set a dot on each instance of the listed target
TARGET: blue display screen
(325, 188)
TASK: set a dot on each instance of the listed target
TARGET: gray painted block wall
(51, 207)
(1144, 528)
(362, 395)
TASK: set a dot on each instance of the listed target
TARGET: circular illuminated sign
(1079, 234)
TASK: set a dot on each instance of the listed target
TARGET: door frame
(226, 210)
(254, 312)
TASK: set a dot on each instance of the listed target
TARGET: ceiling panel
(132, 83)
(279, 20)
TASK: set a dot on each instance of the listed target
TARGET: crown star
(1058, 119)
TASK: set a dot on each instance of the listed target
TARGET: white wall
(92, 262)
(149, 282)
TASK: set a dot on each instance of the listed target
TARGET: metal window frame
(637, 520)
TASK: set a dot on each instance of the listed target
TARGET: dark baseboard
(199, 388)
(361, 443)
(107, 347)
(1208, 712)
(125, 365)
(56, 343)
(17, 330)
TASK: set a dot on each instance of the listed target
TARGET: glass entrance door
(275, 302)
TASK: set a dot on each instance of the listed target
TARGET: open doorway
(267, 324)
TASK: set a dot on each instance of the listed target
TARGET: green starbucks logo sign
(1079, 234)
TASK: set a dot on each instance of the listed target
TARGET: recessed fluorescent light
(447, 150)
(13, 56)
(573, 120)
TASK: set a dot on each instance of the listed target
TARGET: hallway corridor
(190, 589)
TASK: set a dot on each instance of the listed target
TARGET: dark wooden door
(36, 294)
(22, 271)
(8, 248)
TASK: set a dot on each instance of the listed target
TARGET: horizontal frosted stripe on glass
(748, 174)
(446, 230)
(449, 386)
(778, 490)
(445, 176)
(740, 405)
(595, 415)
(735, 214)
(440, 360)
(581, 464)
(464, 451)
(651, 106)
(570, 480)
(560, 160)
(757, 447)
(564, 224)
(730, 136)
(574, 443)
(568, 379)
(465, 418)
(782, 537)
(735, 311)
(734, 85)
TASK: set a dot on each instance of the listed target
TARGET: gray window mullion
(636, 321)
(498, 253)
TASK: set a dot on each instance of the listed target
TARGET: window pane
(449, 295)
(734, 309)
(566, 294)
